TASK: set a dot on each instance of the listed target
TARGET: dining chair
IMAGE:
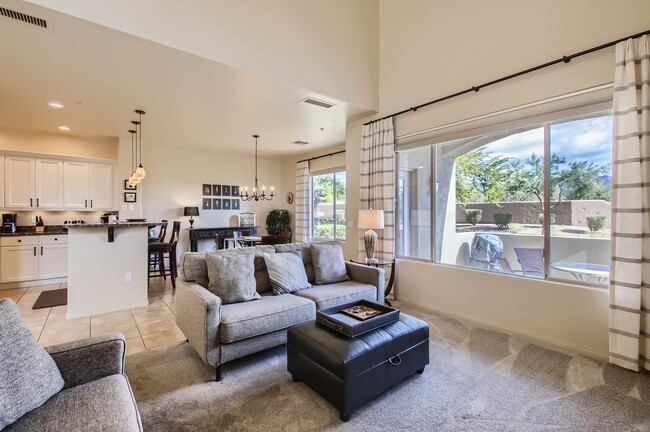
(161, 250)
(531, 261)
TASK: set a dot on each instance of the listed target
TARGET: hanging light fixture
(135, 175)
(140, 170)
(256, 195)
(132, 180)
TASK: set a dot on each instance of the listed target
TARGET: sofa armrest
(89, 359)
(198, 314)
(369, 275)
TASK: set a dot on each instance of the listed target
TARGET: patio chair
(531, 261)
(505, 266)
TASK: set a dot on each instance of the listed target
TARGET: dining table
(579, 270)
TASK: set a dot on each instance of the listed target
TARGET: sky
(588, 139)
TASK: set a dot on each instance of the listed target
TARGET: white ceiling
(101, 75)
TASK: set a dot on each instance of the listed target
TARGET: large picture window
(533, 201)
(328, 205)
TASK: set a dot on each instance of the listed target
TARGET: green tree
(324, 189)
(481, 177)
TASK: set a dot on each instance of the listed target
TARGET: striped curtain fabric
(303, 232)
(377, 189)
(629, 291)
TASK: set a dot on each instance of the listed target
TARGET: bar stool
(157, 251)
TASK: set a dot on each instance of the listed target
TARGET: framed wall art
(127, 186)
(225, 204)
(207, 190)
(129, 197)
(216, 203)
(225, 189)
(216, 190)
(207, 203)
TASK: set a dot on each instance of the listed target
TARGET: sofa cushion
(329, 264)
(286, 272)
(327, 296)
(270, 313)
(106, 404)
(193, 268)
(28, 374)
(231, 277)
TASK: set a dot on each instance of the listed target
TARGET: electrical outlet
(350, 224)
(128, 277)
(123, 207)
(130, 207)
(33, 219)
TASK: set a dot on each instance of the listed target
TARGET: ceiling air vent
(23, 17)
(301, 143)
(318, 103)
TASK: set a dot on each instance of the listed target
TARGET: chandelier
(256, 195)
(138, 173)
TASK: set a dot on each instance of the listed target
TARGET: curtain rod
(321, 156)
(563, 59)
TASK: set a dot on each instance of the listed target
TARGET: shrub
(540, 217)
(514, 228)
(473, 216)
(503, 219)
(595, 223)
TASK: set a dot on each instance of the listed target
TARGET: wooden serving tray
(337, 320)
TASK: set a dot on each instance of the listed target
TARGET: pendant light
(132, 180)
(135, 174)
(140, 170)
(256, 190)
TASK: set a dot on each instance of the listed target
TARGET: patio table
(578, 270)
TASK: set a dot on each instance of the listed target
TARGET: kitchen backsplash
(55, 217)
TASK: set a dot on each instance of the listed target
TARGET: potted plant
(278, 221)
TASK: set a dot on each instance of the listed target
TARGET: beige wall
(174, 179)
(431, 49)
(58, 144)
(329, 47)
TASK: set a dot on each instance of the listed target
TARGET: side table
(389, 287)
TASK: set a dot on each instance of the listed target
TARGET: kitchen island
(107, 267)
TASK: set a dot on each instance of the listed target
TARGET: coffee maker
(9, 223)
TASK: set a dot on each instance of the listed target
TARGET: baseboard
(543, 340)
(24, 284)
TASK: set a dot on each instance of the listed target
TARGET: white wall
(174, 180)
(431, 49)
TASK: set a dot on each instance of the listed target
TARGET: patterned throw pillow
(28, 374)
(232, 277)
(329, 265)
(287, 272)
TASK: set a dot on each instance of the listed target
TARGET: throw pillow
(329, 265)
(287, 273)
(231, 277)
(28, 374)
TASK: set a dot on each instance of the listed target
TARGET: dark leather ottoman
(348, 372)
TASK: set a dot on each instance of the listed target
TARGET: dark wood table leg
(389, 288)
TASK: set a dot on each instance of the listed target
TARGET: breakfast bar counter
(107, 267)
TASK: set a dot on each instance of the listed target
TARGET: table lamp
(191, 211)
(371, 219)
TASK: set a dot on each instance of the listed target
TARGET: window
(510, 201)
(328, 205)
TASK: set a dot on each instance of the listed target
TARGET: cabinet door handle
(34, 250)
(19, 240)
(91, 203)
(41, 250)
(31, 202)
(85, 203)
(37, 204)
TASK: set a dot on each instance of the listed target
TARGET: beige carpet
(477, 380)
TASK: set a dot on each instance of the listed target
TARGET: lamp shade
(191, 211)
(371, 219)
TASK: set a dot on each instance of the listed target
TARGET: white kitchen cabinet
(53, 261)
(19, 182)
(2, 180)
(18, 259)
(87, 186)
(101, 186)
(49, 184)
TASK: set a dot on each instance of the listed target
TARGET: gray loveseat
(224, 332)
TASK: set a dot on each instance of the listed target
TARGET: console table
(197, 234)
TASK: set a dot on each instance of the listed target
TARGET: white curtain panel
(629, 291)
(303, 233)
(377, 190)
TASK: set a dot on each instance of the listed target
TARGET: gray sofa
(96, 394)
(224, 332)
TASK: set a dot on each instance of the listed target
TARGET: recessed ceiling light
(64, 128)
(55, 105)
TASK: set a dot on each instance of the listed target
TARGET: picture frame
(130, 197)
(235, 204)
(207, 203)
(225, 204)
(234, 191)
(127, 186)
(216, 190)
(225, 189)
(216, 203)
(207, 190)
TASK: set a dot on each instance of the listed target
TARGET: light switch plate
(350, 224)
(130, 207)
(123, 207)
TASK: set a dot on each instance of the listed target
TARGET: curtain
(629, 291)
(302, 202)
(377, 184)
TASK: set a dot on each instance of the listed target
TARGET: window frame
(333, 171)
(601, 108)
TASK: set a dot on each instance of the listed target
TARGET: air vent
(300, 143)
(318, 103)
(23, 17)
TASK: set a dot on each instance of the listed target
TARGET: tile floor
(144, 328)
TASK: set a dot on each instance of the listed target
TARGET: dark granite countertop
(31, 230)
(115, 224)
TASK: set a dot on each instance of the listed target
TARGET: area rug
(477, 380)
